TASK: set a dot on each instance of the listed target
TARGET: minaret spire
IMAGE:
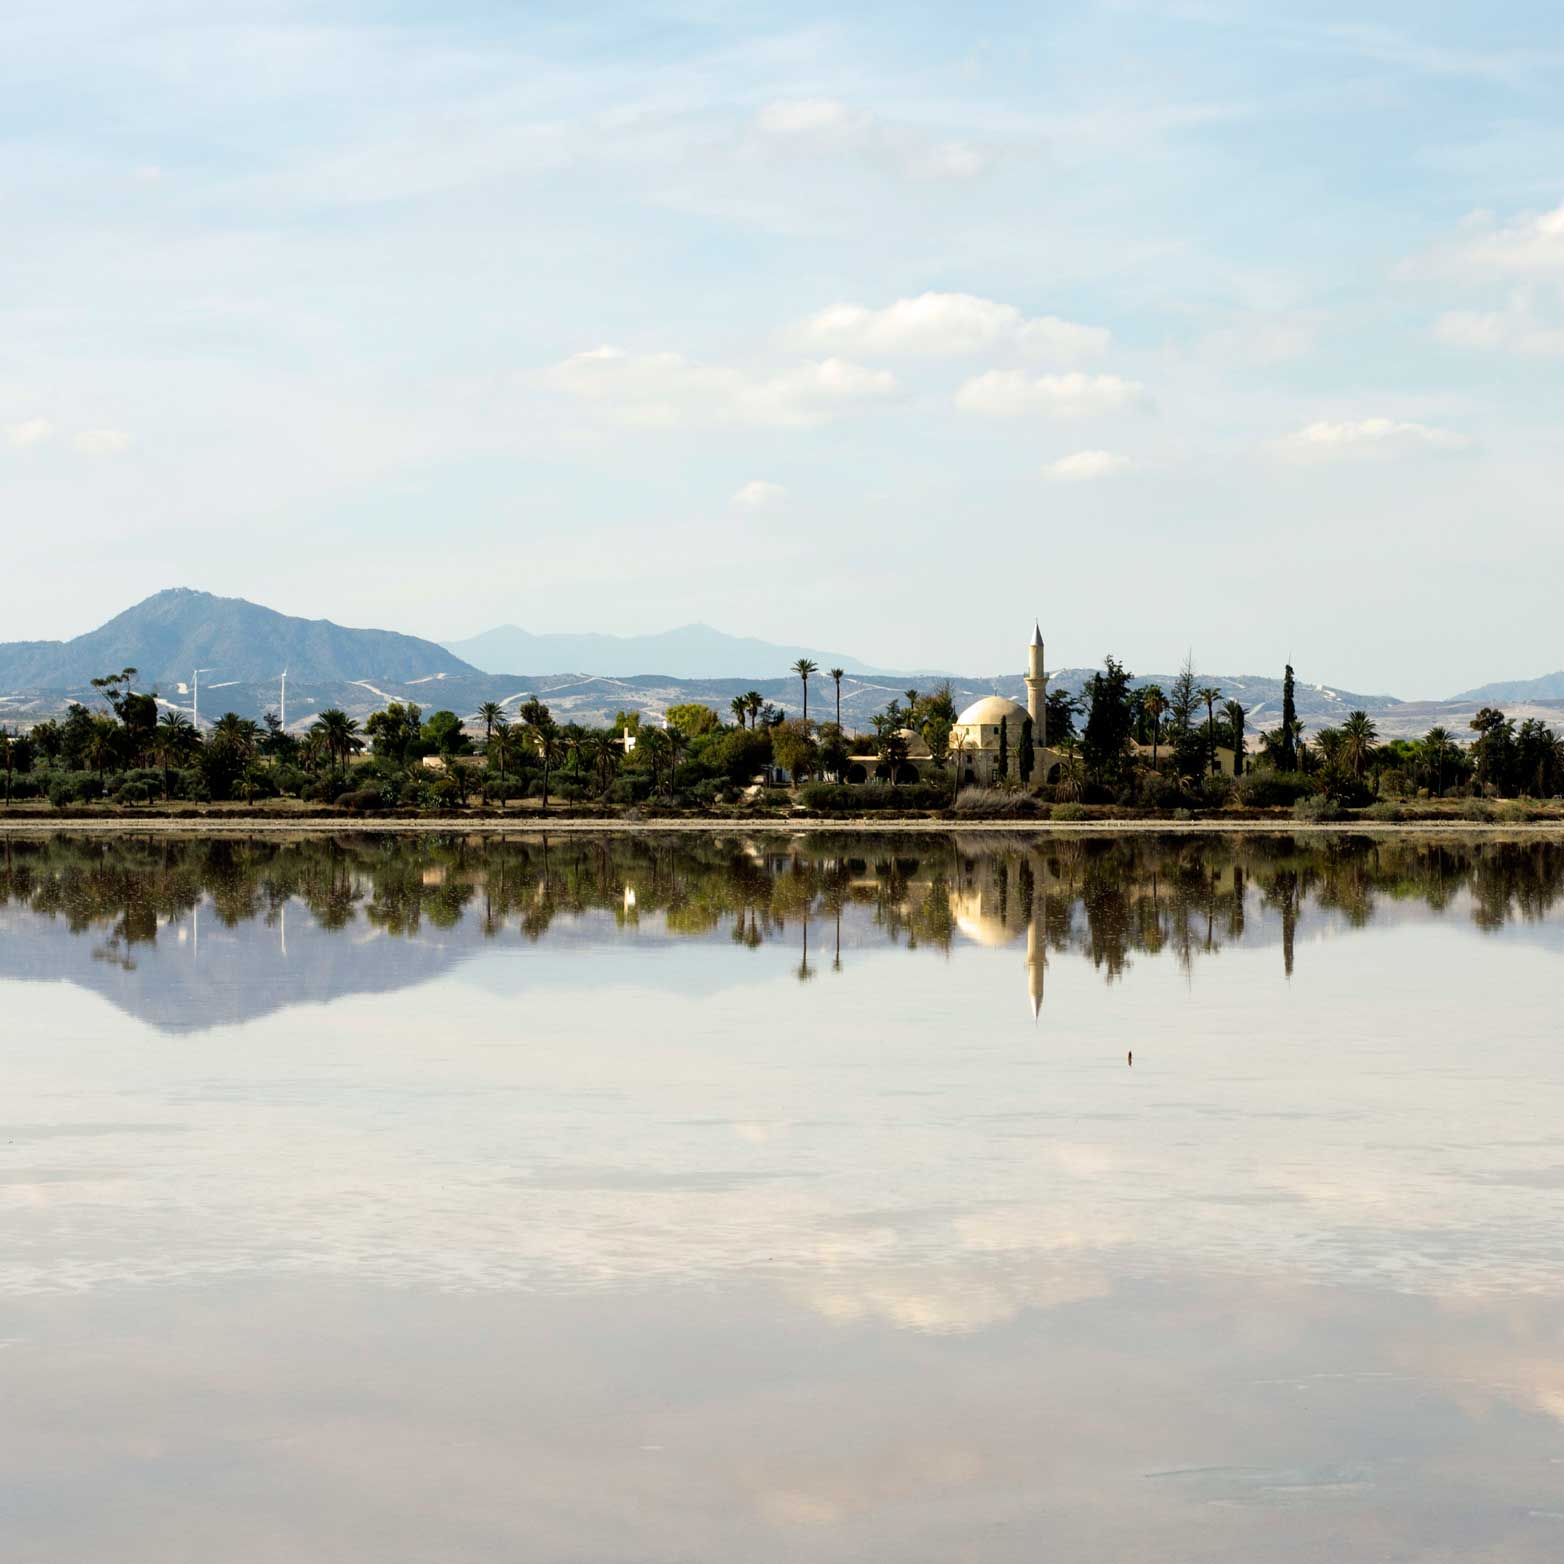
(1037, 689)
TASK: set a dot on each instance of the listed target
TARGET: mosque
(997, 737)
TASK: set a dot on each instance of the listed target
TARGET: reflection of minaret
(1035, 961)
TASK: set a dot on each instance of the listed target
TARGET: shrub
(1183, 814)
(1215, 789)
(357, 800)
(1070, 811)
(1159, 791)
(994, 803)
(1273, 789)
(1478, 809)
(1317, 808)
(1384, 810)
(863, 798)
(630, 787)
(74, 787)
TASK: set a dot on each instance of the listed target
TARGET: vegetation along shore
(1113, 757)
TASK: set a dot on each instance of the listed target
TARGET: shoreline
(862, 825)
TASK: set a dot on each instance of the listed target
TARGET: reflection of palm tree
(803, 668)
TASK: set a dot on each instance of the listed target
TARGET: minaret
(1037, 690)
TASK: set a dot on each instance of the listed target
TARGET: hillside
(1549, 687)
(693, 651)
(175, 631)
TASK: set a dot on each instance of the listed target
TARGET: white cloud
(1517, 329)
(1531, 245)
(757, 494)
(1011, 393)
(1085, 466)
(102, 442)
(1332, 441)
(31, 431)
(669, 391)
(808, 117)
(947, 324)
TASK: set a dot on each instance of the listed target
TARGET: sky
(1208, 327)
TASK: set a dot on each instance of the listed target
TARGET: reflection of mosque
(1031, 899)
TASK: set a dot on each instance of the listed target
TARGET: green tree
(1210, 694)
(1236, 716)
(340, 735)
(837, 675)
(1358, 734)
(1109, 721)
(692, 719)
(1155, 705)
(442, 731)
(1287, 750)
(803, 668)
(543, 731)
(756, 703)
(740, 708)
(173, 744)
(1004, 747)
(795, 750)
(490, 712)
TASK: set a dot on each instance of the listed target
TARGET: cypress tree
(1004, 746)
(1025, 758)
(1289, 758)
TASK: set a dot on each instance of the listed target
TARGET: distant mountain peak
(177, 629)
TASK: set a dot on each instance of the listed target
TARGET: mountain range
(243, 648)
(693, 651)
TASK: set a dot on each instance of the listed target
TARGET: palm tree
(803, 668)
(1436, 750)
(1358, 733)
(172, 741)
(550, 747)
(1155, 704)
(1210, 695)
(755, 703)
(1235, 715)
(738, 706)
(239, 733)
(678, 743)
(955, 747)
(836, 678)
(1072, 769)
(912, 701)
(340, 732)
(491, 712)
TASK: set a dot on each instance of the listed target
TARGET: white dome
(988, 711)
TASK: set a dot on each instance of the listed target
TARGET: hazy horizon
(1171, 327)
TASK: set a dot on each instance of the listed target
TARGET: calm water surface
(617, 1199)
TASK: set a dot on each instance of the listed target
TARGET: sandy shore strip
(863, 825)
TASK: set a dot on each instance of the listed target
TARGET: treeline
(1117, 743)
(1106, 898)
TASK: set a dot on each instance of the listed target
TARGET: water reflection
(435, 899)
(465, 1199)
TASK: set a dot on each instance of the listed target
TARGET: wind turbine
(195, 698)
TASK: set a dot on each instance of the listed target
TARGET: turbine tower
(195, 696)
